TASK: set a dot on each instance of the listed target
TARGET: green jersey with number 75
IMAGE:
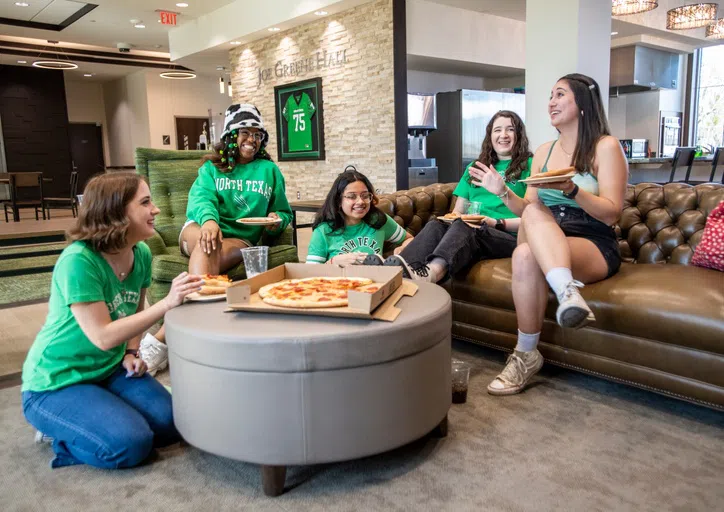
(298, 111)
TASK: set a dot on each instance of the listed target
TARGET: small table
(312, 206)
(279, 390)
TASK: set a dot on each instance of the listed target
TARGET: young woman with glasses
(238, 179)
(350, 229)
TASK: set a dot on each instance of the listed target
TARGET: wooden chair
(683, 157)
(5, 195)
(718, 160)
(65, 202)
(26, 191)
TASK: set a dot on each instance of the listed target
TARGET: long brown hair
(102, 220)
(592, 122)
(521, 151)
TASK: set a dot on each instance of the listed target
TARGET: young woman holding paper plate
(565, 237)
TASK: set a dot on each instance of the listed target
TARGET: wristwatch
(133, 352)
(572, 193)
(500, 224)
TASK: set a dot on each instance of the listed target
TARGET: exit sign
(168, 18)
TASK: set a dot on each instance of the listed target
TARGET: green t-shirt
(299, 128)
(361, 237)
(250, 190)
(62, 354)
(492, 205)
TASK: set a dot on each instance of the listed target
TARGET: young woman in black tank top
(566, 245)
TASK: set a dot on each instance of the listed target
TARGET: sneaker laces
(420, 269)
(571, 290)
(514, 370)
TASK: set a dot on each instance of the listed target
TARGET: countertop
(663, 160)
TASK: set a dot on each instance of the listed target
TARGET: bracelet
(504, 194)
(572, 193)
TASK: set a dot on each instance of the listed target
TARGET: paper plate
(197, 297)
(259, 221)
(542, 178)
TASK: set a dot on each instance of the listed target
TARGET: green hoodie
(255, 189)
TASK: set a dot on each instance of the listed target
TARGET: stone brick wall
(358, 97)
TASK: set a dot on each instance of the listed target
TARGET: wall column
(562, 36)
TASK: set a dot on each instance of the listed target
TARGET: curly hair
(225, 154)
(331, 211)
(102, 220)
(521, 151)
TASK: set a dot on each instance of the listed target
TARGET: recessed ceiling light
(321, 13)
(182, 4)
(139, 25)
(87, 74)
(22, 62)
(614, 33)
(274, 29)
(236, 42)
(22, 4)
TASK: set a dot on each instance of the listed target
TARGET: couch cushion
(170, 182)
(676, 304)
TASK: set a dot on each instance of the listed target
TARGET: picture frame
(300, 120)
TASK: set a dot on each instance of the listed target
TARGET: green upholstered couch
(170, 175)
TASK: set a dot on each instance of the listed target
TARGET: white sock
(527, 342)
(438, 267)
(558, 278)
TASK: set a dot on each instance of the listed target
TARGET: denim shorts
(577, 223)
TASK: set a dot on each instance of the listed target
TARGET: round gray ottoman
(280, 390)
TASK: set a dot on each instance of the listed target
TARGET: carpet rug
(16, 290)
(570, 442)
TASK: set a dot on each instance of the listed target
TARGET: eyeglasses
(257, 136)
(365, 196)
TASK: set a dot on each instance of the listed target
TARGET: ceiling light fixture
(22, 4)
(716, 30)
(22, 62)
(221, 84)
(139, 25)
(626, 7)
(54, 64)
(87, 74)
(321, 13)
(229, 86)
(178, 75)
(614, 33)
(182, 4)
(235, 43)
(690, 16)
(274, 29)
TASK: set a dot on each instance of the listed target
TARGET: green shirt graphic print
(299, 122)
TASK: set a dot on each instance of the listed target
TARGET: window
(709, 123)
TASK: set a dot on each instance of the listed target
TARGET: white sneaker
(519, 369)
(41, 438)
(154, 353)
(573, 312)
(417, 272)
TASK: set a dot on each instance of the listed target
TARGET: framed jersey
(300, 124)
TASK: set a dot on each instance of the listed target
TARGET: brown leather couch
(659, 321)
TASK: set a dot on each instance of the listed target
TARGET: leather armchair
(659, 321)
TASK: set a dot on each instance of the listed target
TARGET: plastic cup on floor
(460, 378)
(255, 259)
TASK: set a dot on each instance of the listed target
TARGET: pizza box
(381, 305)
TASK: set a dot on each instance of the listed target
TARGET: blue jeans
(109, 424)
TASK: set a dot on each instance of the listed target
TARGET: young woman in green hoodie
(237, 180)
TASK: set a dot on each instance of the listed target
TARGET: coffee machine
(421, 120)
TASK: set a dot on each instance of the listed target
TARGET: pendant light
(626, 7)
(229, 87)
(58, 63)
(716, 30)
(221, 84)
(690, 16)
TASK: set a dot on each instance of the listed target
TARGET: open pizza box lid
(243, 296)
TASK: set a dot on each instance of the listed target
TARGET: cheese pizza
(214, 285)
(315, 292)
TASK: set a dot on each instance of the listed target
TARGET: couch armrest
(157, 245)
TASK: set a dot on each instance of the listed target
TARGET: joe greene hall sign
(320, 60)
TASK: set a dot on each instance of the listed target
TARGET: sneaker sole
(161, 367)
(374, 260)
(575, 318)
(516, 389)
(399, 262)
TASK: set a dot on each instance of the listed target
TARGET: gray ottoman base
(279, 419)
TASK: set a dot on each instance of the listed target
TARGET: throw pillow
(710, 250)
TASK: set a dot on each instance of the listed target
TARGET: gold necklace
(564, 150)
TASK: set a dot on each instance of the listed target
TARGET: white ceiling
(514, 9)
